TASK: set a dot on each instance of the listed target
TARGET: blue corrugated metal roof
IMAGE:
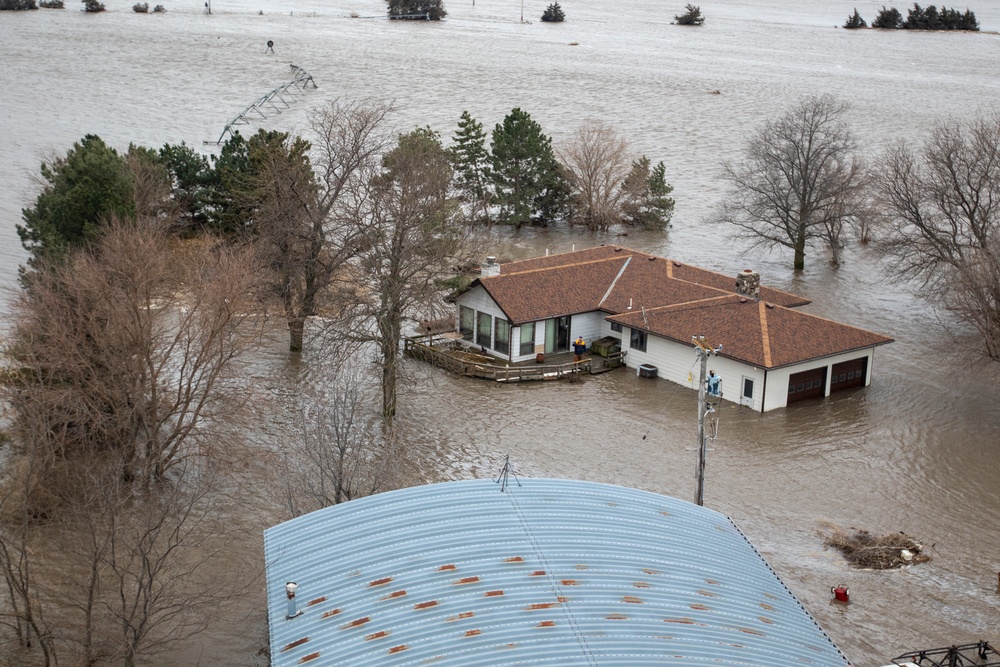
(552, 572)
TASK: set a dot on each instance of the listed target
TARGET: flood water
(918, 451)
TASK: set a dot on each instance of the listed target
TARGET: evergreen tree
(470, 159)
(691, 16)
(81, 191)
(194, 183)
(526, 179)
(888, 19)
(553, 14)
(648, 203)
(419, 10)
(855, 21)
(93, 6)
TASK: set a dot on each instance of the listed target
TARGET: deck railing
(455, 363)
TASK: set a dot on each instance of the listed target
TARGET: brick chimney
(748, 284)
(490, 267)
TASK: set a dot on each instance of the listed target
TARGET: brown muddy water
(918, 451)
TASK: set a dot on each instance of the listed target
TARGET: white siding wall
(777, 380)
(587, 325)
(674, 362)
(479, 300)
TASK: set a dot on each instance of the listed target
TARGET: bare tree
(799, 180)
(344, 453)
(411, 241)
(130, 346)
(597, 162)
(941, 204)
(297, 193)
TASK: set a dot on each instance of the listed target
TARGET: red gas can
(841, 593)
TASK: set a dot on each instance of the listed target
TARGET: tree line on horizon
(917, 18)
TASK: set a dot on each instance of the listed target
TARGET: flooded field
(917, 451)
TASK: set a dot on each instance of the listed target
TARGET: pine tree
(855, 21)
(420, 10)
(691, 16)
(527, 183)
(649, 203)
(888, 19)
(553, 14)
(470, 159)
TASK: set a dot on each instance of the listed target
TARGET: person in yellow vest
(579, 348)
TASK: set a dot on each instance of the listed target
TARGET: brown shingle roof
(756, 332)
(671, 268)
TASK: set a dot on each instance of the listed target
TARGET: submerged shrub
(51, 4)
(93, 6)
(141, 8)
(553, 14)
(17, 5)
(855, 21)
(159, 9)
(691, 16)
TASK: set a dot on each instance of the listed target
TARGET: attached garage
(807, 384)
(849, 374)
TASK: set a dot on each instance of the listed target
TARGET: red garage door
(849, 374)
(807, 384)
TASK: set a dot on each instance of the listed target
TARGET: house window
(638, 340)
(485, 330)
(466, 322)
(502, 342)
(616, 326)
(528, 338)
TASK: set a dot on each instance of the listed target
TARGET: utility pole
(704, 350)
(522, 11)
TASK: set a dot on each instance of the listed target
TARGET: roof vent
(490, 267)
(748, 284)
(652, 259)
(290, 589)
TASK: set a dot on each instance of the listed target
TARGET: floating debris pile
(862, 549)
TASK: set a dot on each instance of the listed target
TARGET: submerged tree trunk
(296, 330)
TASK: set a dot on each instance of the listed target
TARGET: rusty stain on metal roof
(514, 559)
(449, 566)
(307, 658)
(356, 623)
(641, 584)
(297, 642)
(664, 512)
(395, 594)
(464, 614)
(616, 617)
(397, 649)
(685, 621)
(765, 605)
(647, 570)
(332, 612)
(752, 632)
(770, 596)
(582, 566)
(711, 582)
(493, 594)
(465, 580)
(316, 601)
(546, 624)
(471, 633)
(765, 619)
(540, 605)
(561, 598)
(425, 605)
(380, 582)
(612, 504)
(708, 594)
(537, 573)
(631, 599)
(699, 607)
(377, 635)
(569, 582)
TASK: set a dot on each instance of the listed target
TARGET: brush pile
(877, 552)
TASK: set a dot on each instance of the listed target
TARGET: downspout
(763, 399)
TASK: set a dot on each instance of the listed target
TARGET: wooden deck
(453, 357)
